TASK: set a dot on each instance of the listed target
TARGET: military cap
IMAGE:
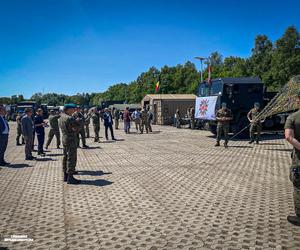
(70, 106)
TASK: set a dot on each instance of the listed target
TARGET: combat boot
(72, 180)
(295, 220)
(226, 144)
(65, 176)
(251, 141)
(18, 143)
(257, 141)
(217, 144)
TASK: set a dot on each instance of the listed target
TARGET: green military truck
(240, 94)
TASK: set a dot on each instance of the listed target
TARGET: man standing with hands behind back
(4, 131)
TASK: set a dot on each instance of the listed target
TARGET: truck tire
(240, 125)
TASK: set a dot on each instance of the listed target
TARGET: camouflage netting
(285, 100)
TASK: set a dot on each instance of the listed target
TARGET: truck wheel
(241, 124)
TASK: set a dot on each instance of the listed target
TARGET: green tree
(286, 57)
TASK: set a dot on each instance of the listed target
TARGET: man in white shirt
(136, 116)
(4, 131)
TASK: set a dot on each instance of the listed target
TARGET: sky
(76, 46)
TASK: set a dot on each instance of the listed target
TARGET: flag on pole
(157, 87)
(209, 74)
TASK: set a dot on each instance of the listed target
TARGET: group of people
(142, 119)
(72, 122)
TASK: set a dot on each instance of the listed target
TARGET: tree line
(275, 63)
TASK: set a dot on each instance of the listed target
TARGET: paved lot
(168, 190)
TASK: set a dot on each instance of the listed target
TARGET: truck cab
(239, 93)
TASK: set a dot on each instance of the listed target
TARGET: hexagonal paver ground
(171, 189)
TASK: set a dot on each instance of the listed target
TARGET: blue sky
(73, 46)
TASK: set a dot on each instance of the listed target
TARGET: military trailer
(240, 94)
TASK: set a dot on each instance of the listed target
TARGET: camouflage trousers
(19, 135)
(82, 136)
(87, 130)
(96, 131)
(144, 124)
(296, 193)
(116, 123)
(51, 134)
(70, 157)
(222, 128)
(255, 127)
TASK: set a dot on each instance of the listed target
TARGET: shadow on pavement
(155, 132)
(279, 149)
(230, 146)
(44, 159)
(93, 173)
(21, 165)
(91, 147)
(99, 183)
(108, 141)
(55, 154)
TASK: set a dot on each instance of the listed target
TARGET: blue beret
(70, 106)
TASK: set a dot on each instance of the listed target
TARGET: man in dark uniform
(108, 124)
(4, 133)
(39, 126)
(223, 116)
(69, 128)
(255, 125)
(292, 135)
(54, 129)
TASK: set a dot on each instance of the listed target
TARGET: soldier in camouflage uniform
(144, 121)
(69, 128)
(116, 118)
(292, 135)
(255, 125)
(223, 116)
(96, 124)
(149, 119)
(80, 118)
(54, 129)
(87, 121)
(19, 130)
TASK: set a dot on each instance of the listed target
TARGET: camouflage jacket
(96, 119)
(225, 114)
(87, 118)
(253, 113)
(69, 128)
(53, 121)
(81, 121)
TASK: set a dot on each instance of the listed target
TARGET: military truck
(240, 94)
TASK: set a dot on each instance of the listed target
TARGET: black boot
(251, 141)
(217, 144)
(295, 220)
(65, 176)
(72, 180)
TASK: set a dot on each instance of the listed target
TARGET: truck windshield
(204, 90)
(215, 88)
